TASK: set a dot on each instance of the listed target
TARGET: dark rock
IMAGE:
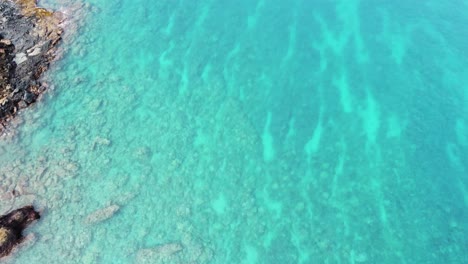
(12, 226)
(28, 39)
(29, 97)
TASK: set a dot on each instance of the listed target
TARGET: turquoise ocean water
(251, 131)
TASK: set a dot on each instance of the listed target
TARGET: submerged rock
(12, 226)
(159, 254)
(102, 214)
(28, 37)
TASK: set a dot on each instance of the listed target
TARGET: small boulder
(12, 226)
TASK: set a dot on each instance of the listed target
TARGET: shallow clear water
(251, 132)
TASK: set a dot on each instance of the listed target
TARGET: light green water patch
(184, 81)
(228, 67)
(339, 168)
(268, 141)
(291, 44)
(345, 95)
(291, 129)
(396, 37)
(252, 19)
(165, 62)
(371, 119)
(303, 255)
(465, 97)
(268, 238)
(329, 39)
(398, 48)
(452, 152)
(395, 126)
(251, 255)
(276, 207)
(461, 131)
(348, 13)
(220, 204)
(201, 139)
(202, 16)
(206, 73)
(356, 257)
(313, 144)
(170, 24)
(323, 60)
(383, 216)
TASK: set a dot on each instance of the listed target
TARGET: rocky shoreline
(28, 41)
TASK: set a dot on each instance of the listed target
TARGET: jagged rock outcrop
(12, 226)
(28, 37)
